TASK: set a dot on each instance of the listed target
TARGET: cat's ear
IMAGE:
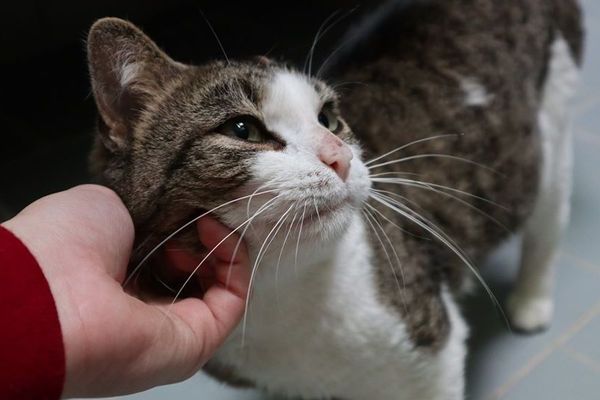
(127, 68)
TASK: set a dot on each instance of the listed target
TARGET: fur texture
(413, 69)
(531, 304)
(349, 299)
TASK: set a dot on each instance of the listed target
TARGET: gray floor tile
(199, 387)
(591, 62)
(582, 235)
(559, 378)
(495, 353)
(588, 341)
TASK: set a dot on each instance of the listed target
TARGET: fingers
(164, 344)
(225, 299)
(223, 262)
(230, 255)
(211, 319)
(210, 322)
(107, 226)
(89, 220)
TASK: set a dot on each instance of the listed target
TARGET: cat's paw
(530, 313)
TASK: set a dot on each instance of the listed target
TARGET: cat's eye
(329, 120)
(245, 127)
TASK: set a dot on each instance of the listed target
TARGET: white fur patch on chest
(324, 332)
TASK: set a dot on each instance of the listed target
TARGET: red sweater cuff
(31, 347)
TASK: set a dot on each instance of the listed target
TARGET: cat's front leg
(531, 304)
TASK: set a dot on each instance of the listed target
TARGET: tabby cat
(364, 208)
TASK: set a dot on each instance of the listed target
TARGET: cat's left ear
(127, 68)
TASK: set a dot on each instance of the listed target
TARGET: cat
(362, 207)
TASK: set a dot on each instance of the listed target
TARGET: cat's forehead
(264, 85)
(220, 79)
(290, 93)
(219, 91)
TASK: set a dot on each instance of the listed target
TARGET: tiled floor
(560, 364)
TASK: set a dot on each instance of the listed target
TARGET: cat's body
(489, 71)
(347, 305)
(328, 333)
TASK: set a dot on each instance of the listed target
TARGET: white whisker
(432, 155)
(191, 275)
(427, 139)
(239, 242)
(265, 185)
(331, 55)
(299, 235)
(278, 225)
(399, 196)
(215, 35)
(333, 24)
(400, 291)
(163, 283)
(467, 204)
(281, 254)
(430, 186)
(442, 237)
(317, 211)
(273, 232)
(340, 84)
(392, 222)
(177, 231)
(318, 74)
(393, 173)
(309, 57)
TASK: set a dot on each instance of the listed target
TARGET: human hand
(114, 342)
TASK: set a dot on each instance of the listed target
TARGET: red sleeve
(32, 357)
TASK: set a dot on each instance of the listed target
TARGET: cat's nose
(336, 154)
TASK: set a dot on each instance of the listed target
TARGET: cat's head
(176, 139)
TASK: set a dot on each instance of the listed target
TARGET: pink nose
(336, 154)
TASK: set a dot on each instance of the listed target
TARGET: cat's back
(472, 68)
(463, 81)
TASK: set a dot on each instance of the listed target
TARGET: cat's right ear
(127, 68)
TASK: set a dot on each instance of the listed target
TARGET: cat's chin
(327, 224)
(307, 230)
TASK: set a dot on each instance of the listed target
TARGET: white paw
(530, 313)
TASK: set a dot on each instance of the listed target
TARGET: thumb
(207, 321)
(224, 301)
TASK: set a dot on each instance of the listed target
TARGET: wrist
(80, 239)
(50, 261)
